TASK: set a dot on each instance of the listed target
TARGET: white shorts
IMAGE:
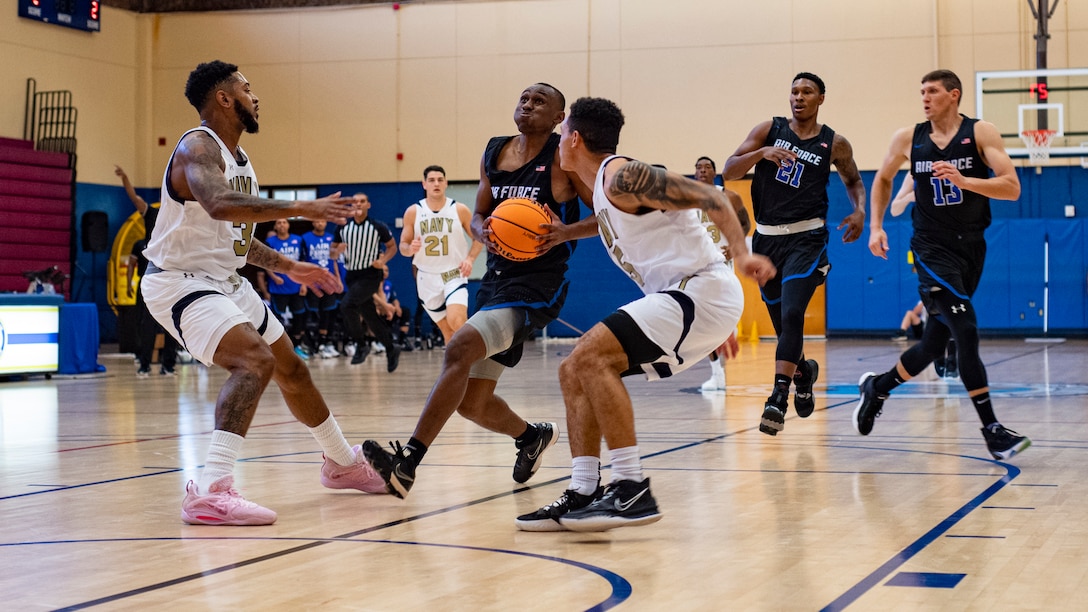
(687, 321)
(198, 311)
(440, 289)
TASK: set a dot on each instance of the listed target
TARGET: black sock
(887, 381)
(415, 450)
(528, 436)
(781, 392)
(984, 408)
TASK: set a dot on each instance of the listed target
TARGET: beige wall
(343, 90)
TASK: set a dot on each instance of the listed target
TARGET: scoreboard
(78, 14)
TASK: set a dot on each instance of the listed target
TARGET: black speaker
(95, 229)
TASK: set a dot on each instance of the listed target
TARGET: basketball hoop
(1038, 144)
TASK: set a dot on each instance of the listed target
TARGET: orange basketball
(515, 225)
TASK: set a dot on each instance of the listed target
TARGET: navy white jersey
(186, 238)
(940, 205)
(445, 245)
(644, 245)
(716, 235)
(532, 181)
(797, 190)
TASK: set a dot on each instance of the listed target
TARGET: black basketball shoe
(870, 404)
(531, 454)
(803, 402)
(1004, 443)
(547, 518)
(774, 414)
(396, 469)
(625, 503)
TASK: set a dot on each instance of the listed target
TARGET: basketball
(515, 225)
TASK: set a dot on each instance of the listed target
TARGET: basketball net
(1038, 144)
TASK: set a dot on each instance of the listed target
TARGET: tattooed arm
(635, 187)
(313, 276)
(196, 173)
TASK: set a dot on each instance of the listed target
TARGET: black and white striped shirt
(364, 242)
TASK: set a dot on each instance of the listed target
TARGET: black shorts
(795, 256)
(949, 261)
(282, 302)
(539, 295)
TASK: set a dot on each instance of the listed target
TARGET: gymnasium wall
(344, 90)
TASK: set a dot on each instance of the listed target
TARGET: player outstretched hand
(329, 208)
(317, 278)
(878, 243)
(554, 233)
(755, 267)
(854, 224)
(557, 232)
(729, 348)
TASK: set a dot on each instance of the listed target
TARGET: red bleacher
(35, 212)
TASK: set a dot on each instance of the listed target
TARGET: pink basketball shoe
(222, 505)
(358, 475)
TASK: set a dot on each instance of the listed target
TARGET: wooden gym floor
(916, 516)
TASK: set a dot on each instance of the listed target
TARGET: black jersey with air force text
(939, 205)
(534, 182)
(797, 190)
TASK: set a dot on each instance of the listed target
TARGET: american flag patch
(823, 144)
(966, 140)
(541, 168)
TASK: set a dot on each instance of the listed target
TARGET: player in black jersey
(957, 164)
(515, 298)
(792, 159)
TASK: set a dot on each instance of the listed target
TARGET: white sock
(222, 454)
(332, 441)
(585, 474)
(626, 464)
(716, 369)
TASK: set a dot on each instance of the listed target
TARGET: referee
(367, 246)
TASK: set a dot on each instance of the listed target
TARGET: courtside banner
(28, 338)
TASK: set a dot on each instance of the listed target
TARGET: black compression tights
(788, 315)
(957, 320)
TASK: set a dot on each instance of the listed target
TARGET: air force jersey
(186, 238)
(940, 205)
(316, 249)
(291, 248)
(532, 181)
(444, 243)
(643, 245)
(797, 190)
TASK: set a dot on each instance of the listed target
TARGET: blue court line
(929, 580)
(620, 588)
(40, 338)
(840, 603)
(897, 561)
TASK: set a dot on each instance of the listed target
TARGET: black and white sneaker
(625, 503)
(531, 454)
(870, 404)
(395, 468)
(803, 401)
(1004, 443)
(547, 518)
(774, 414)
